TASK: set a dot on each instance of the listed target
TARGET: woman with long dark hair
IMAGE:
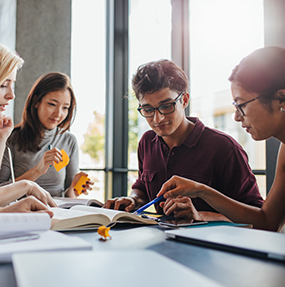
(36, 142)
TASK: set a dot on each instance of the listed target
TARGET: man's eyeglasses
(239, 107)
(164, 109)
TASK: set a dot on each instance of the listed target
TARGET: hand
(6, 127)
(177, 185)
(28, 204)
(180, 207)
(48, 159)
(121, 203)
(32, 188)
(85, 187)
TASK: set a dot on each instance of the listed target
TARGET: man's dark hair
(158, 75)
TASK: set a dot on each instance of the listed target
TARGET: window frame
(116, 146)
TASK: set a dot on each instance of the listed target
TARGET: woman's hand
(32, 188)
(48, 159)
(177, 185)
(6, 127)
(71, 192)
(28, 204)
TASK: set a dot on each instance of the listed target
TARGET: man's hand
(28, 204)
(121, 203)
(180, 207)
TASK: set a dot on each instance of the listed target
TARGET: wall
(8, 30)
(43, 36)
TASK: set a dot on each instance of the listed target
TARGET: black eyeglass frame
(239, 107)
(159, 107)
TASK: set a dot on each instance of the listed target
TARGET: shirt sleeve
(238, 181)
(140, 184)
(5, 172)
(73, 167)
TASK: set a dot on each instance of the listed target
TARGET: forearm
(232, 209)
(11, 192)
(140, 197)
(32, 174)
(69, 192)
(212, 216)
(2, 149)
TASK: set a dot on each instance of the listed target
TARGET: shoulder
(281, 156)
(148, 136)
(221, 138)
(66, 135)
(67, 138)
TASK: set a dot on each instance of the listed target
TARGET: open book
(86, 217)
(67, 202)
(29, 232)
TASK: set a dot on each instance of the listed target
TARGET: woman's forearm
(232, 209)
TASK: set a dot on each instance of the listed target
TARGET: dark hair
(262, 72)
(29, 132)
(155, 76)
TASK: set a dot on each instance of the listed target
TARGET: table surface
(226, 268)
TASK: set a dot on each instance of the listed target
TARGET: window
(88, 80)
(222, 32)
(149, 40)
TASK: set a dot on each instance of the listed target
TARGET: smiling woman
(47, 116)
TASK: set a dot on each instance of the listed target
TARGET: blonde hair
(8, 62)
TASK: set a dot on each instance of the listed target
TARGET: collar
(193, 137)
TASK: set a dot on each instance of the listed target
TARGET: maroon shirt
(207, 156)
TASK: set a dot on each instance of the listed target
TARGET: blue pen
(140, 210)
(49, 148)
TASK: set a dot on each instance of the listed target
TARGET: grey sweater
(52, 181)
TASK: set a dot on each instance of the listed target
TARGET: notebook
(137, 268)
(252, 242)
(42, 241)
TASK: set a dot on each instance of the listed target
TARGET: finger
(51, 201)
(75, 192)
(108, 204)
(118, 203)
(36, 205)
(168, 203)
(165, 187)
(49, 212)
(130, 207)
(90, 182)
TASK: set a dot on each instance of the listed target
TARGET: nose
(10, 93)
(158, 116)
(57, 112)
(238, 117)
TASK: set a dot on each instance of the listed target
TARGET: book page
(76, 219)
(115, 215)
(24, 222)
(110, 213)
(67, 202)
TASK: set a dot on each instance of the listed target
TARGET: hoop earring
(282, 110)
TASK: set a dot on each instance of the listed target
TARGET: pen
(15, 237)
(49, 148)
(140, 210)
(11, 165)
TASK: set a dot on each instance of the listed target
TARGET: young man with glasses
(180, 145)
